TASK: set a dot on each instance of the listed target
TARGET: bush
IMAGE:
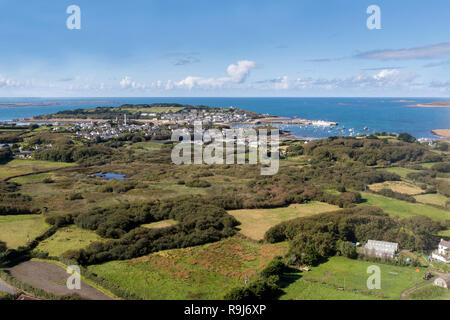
(196, 183)
(257, 290)
(74, 196)
(406, 137)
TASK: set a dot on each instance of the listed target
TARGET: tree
(406, 137)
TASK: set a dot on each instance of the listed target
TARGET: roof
(444, 243)
(382, 245)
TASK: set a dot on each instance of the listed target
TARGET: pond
(110, 176)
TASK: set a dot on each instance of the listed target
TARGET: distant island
(436, 104)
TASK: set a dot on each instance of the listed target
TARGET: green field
(255, 222)
(202, 272)
(14, 229)
(68, 238)
(400, 208)
(402, 172)
(154, 109)
(18, 167)
(32, 178)
(432, 198)
(430, 292)
(323, 281)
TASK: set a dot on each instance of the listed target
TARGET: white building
(443, 252)
(380, 248)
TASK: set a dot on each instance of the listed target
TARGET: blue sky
(224, 48)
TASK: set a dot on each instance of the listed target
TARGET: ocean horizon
(386, 114)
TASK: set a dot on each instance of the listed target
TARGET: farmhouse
(442, 254)
(443, 281)
(382, 249)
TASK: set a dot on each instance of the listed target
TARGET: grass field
(68, 238)
(402, 172)
(202, 272)
(255, 222)
(432, 198)
(430, 292)
(14, 229)
(397, 186)
(32, 178)
(17, 167)
(154, 109)
(160, 224)
(400, 208)
(323, 281)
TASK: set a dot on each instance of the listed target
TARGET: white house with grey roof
(382, 249)
(442, 253)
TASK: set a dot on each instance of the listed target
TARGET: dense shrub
(199, 222)
(441, 167)
(197, 183)
(396, 195)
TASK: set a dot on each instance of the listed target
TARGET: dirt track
(52, 278)
(4, 287)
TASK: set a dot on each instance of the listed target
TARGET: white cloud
(384, 78)
(8, 83)
(425, 52)
(128, 83)
(239, 72)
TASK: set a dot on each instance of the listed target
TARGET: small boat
(365, 128)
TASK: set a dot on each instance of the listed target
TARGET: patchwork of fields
(202, 272)
(323, 281)
(255, 222)
(398, 208)
(68, 238)
(14, 229)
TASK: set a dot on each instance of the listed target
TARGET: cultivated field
(400, 208)
(202, 272)
(397, 186)
(323, 281)
(68, 238)
(255, 222)
(14, 229)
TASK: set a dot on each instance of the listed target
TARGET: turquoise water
(378, 114)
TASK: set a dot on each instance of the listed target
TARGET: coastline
(443, 133)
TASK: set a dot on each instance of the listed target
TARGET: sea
(353, 115)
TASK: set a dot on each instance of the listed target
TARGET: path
(52, 278)
(5, 287)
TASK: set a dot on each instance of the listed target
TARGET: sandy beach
(437, 104)
(443, 133)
